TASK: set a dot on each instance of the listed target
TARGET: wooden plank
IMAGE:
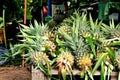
(38, 75)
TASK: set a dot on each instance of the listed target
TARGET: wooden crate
(38, 75)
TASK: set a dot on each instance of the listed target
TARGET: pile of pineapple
(78, 42)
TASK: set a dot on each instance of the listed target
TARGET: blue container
(2, 51)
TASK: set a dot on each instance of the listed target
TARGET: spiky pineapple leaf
(119, 75)
(24, 34)
(92, 45)
(59, 42)
(63, 72)
(112, 25)
(95, 27)
(111, 55)
(33, 30)
(102, 71)
(98, 63)
(114, 44)
(20, 48)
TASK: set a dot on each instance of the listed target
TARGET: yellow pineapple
(65, 58)
(86, 34)
(84, 63)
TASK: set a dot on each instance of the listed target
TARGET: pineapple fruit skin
(84, 63)
(39, 57)
(65, 58)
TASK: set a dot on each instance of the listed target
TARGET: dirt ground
(14, 73)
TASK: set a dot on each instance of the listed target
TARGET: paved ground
(14, 73)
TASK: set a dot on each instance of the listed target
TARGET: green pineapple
(49, 35)
(96, 28)
(32, 37)
(112, 33)
(73, 42)
(40, 57)
(42, 62)
(66, 29)
(49, 47)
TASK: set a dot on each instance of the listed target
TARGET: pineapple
(100, 54)
(65, 58)
(115, 30)
(66, 29)
(84, 63)
(95, 28)
(42, 62)
(112, 32)
(115, 34)
(49, 35)
(86, 34)
(118, 61)
(40, 57)
(49, 47)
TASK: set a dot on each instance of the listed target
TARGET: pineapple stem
(119, 75)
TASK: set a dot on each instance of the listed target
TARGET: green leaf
(89, 73)
(102, 71)
(105, 73)
(119, 75)
(69, 70)
(82, 74)
(23, 26)
(114, 44)
(1, 25)
(63, 72)
(91, 22)
(1, 19)
(30, 41)
(92, 45)
(43, 69)
(59, 42)
(86, 76)
(112, 25)
(110, 69)
(111, 55)
(98, 63)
